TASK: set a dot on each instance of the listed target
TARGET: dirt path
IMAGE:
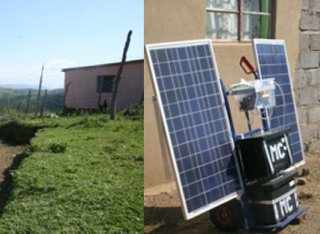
(163, 211)
(7, 155)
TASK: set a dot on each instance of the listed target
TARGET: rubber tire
(228, 216)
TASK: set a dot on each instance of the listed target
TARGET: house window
(239, 20)
(105, 84)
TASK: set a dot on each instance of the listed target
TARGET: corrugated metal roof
(103, 65)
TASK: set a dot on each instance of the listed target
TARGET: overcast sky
(64, 33)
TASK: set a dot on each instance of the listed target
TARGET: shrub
(57, 147)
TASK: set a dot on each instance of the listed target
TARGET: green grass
(84, 175)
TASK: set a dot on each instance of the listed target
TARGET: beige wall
(164, 20)
(287, 28)
(167, 20)
(82, 91)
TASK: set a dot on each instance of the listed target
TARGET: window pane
(256, 5)
(255, 26)
(222, 25)
(105, 84)
(223, 4)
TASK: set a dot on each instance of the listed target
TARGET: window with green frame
(239, 20)
(105, 83)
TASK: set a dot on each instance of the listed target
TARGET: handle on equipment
(246, 66)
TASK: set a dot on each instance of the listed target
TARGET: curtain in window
(222, 25)
(255, 26)
(250, 23)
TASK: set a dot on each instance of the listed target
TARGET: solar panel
(272, 62)
(191, 103)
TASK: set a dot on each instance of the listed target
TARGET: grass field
(83, 175)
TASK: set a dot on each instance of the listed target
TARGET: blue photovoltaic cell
(272, 63)
(194, 114)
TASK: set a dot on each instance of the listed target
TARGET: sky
(62, 34)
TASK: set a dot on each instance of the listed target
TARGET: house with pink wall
(90, 87)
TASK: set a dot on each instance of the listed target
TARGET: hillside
(81, 174)
(16, 99)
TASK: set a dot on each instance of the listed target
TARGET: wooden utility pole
(66, 93)
(100, 81)
(18, 107)
(39, 92)
(43, 103)
(113, 108)
(142, 99)
(8, 105)
(28, 102)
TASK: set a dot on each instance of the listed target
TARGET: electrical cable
(19, 77)
(268, 110)
(283, 101)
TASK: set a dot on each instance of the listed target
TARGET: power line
(19, 77)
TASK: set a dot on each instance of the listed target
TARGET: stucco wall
(287, 28)
(82, 92)
(167, 20)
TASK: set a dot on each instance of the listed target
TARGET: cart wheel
(227, 216)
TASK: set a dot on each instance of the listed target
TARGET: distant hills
(19, 86)
(17, 98)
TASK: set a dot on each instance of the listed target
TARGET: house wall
(82, 93)
(166, 21)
